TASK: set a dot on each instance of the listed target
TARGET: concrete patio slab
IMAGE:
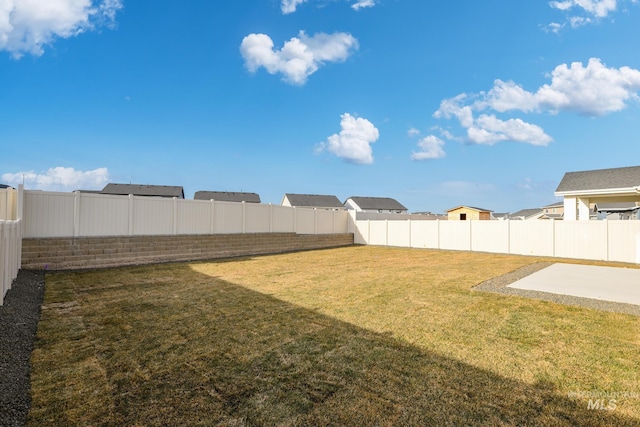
(586, 281)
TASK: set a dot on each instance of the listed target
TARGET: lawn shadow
(213, 352)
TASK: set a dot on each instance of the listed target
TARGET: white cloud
(594, 90)
(289, 6)
(362, 4)
(59, 179)
(582, 12)
(430, 148)
(26, 26)
(413, 132)
(299, 57)
(353, 143)
(591, 90)
(488, 130)
(597, 8)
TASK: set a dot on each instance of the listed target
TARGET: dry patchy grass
(351, 336)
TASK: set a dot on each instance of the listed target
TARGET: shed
(463, 213)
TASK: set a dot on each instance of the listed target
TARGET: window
(463, 217)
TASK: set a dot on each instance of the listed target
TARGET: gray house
(317, 201)
(227, 196)
(375, 205)
(144, 190)
(582, 190)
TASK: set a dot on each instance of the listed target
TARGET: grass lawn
(350, 336)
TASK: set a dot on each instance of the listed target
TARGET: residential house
(582, 190)
(553, 211)
(317, 201)
(375, 205)
(526, 214)
(463, 213)
(144, 190)
(227, 196)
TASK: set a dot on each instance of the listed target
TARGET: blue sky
(437, 104)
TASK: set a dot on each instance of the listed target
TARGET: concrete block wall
(101, 252)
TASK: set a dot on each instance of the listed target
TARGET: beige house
(463, 213)
(584, 189)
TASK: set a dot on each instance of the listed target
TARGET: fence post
(175, 216)
(295, 220)
(270, 218)
(315, 220)
(410, 233)
(130, 214)
(212, 216)
(76, 213)
(244, 217)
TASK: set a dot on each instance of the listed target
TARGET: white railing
(594, 240)
(54, 214)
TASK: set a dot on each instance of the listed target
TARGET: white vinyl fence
(54, 214)
(10, 238)
(594, 240)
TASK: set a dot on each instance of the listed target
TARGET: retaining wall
(101, 252)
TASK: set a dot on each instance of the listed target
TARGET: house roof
(526, 213)
(144, 190)
(227, 196)
(622, 179)
(555, 204)
(5, 186)
(616, 207)
(469, 207)
(314, 200)
(378, 203)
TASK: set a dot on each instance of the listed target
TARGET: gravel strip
(18, 322)
(499, 285)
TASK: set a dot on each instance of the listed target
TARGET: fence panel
(283, 219)
(8, 204)
(324, 221)
(399, 233)
(103, 215)
(194, 217)
(490, 236)
(455, 235)
(378, 233)
(228, 218)
(152, 216)
(624, 241)
(305, 221)
(425, 234)
(257, 218)
(48, 214)
(534, 238)
(340, 222)
(10, 247)
(581, 239)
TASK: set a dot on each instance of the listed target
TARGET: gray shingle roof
(526, 213)
(227, 196)
(5, 186)
(378, 203)
(144, 190)
(314, 200)
(616, 207)
(600, 179)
